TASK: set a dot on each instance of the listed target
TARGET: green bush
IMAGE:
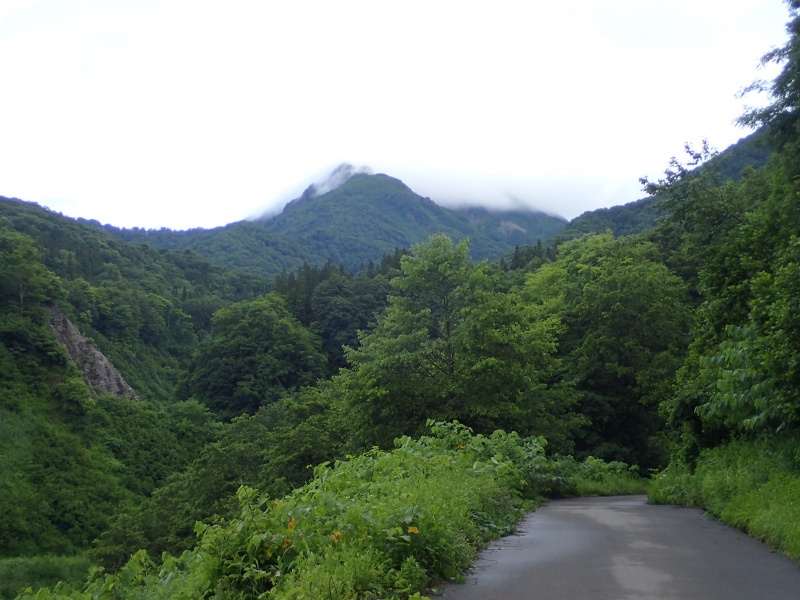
(596, 477)
(674, 485)
(564, 476)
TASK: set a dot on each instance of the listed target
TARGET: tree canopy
(257, 351)
(450, 346)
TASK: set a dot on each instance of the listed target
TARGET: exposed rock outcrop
(98, 372)
(509, 227)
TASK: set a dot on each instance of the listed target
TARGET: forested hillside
(343, 432)
(750, 152)
(243, 246)
(144, 308)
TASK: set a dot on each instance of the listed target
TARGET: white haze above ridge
(339, 176)
(192, 113)
(469, 199)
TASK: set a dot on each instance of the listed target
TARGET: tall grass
(753, 485)
(17, 574)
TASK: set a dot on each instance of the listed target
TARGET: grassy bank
(380, 525)
(40, 571)
(751, 485)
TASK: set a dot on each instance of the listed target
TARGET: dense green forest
(348, 429)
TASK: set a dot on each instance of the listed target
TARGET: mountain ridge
(355, 217)
(362, 218)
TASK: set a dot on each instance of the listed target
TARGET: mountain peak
(339, 176)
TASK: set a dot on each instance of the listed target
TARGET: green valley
(350, 398)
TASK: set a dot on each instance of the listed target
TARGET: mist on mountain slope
(469, 193)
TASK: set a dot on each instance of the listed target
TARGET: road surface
(621, 548)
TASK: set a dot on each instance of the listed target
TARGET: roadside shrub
(566, 477)
(674, 485)
(596, 477)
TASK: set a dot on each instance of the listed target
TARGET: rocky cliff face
(98, 372)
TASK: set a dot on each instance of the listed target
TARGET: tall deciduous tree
(449, 346)
(781, 115)
(628, 320)
(23, 277)
(257, 351)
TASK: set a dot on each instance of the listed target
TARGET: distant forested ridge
(361, 220)
(750, 152)
(243, 246)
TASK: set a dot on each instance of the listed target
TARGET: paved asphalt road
(624, 549)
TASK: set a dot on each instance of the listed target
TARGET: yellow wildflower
(413, 529)
(287, 542)
(292, 523)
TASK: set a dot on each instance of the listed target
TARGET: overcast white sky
(190, 113)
